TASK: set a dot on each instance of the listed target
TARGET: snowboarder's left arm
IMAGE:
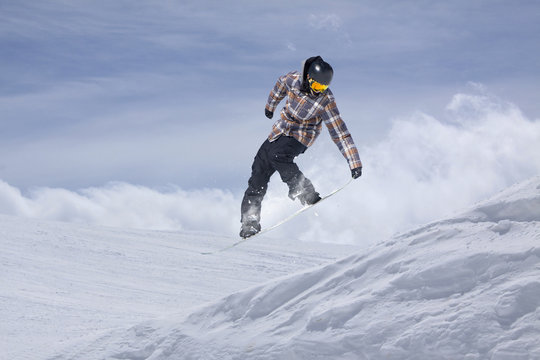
(341, 137)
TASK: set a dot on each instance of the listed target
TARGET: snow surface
(62, 283)
(467, 287)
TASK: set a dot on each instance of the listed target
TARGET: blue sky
(165, 92)
(111, 106)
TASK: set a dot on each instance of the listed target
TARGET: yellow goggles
(317, 87)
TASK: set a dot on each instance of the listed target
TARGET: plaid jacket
(303, 115)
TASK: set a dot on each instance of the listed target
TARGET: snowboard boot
(303, 190)
(250, 227)
(309, 198)
(306, 198)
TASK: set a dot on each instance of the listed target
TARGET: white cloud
(332, 30)
(127, 206)
(424, 169)
(291, 46)
(325, 22)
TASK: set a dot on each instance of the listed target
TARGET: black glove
(269, 114)
(356, 172)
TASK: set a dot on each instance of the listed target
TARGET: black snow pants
(277, 155)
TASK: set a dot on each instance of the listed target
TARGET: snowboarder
(309, 104)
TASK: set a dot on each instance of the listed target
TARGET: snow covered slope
(463, 288)
(63, 282)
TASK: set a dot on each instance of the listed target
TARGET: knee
(281, 157)
(256, 189)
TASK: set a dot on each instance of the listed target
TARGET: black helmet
(321, 71)
(318, 70)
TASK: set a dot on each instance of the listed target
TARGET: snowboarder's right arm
(278, 93)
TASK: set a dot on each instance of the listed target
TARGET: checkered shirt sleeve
(277, 94)
(340, 134)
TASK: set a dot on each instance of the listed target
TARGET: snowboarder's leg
(261, 171)
(282, 155)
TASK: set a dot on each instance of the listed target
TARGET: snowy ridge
(518, 203)
(463, 288)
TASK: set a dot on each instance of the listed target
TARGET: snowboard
(265, 230)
